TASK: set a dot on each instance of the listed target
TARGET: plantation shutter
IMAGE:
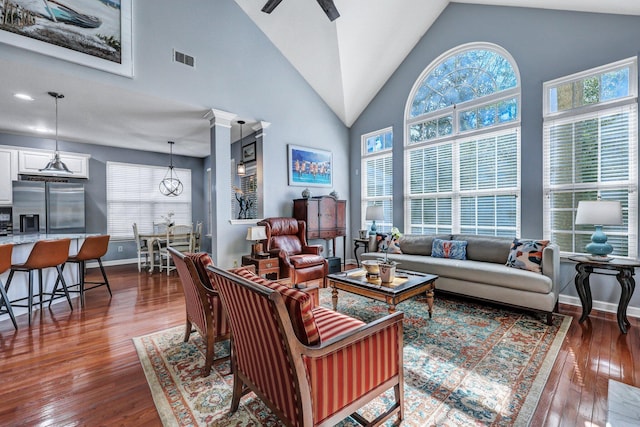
(591, 156)
(133, 195)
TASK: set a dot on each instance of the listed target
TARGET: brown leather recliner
(287, 239)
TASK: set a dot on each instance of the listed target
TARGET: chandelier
(55, 164)
(170, 184)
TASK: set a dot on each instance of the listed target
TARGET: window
(133, 195)
(462, 145)
(590, 152)
(377, 176)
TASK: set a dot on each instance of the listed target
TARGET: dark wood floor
(80, 367)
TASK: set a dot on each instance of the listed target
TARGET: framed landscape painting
(94, 33)
(310, 167)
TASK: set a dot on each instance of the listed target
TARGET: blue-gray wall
(545, 45)
(238, 70)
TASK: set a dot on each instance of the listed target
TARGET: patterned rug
(472, 364)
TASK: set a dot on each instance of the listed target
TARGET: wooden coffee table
(407, 284)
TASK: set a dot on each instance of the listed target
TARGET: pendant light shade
(241, 168)
(56, 165)
(170, 185)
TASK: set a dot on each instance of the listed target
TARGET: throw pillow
(299, 305)
(454, 249)
(388, 243)
(527, 254)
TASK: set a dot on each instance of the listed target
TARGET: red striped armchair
(310, 365)
(204, 310)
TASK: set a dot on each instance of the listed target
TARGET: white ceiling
(346, 62)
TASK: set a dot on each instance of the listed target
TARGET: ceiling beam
(270, 5)
(330, 9)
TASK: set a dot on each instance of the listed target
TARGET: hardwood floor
(76, 368)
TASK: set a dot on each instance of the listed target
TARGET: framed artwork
(249, 152)
(94, 33)
(310, 167)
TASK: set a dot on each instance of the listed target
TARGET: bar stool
(45, 254)
(94, 247)
(5, 264)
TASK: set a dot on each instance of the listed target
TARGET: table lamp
(256, 234)
(599, 213)
(372, 214)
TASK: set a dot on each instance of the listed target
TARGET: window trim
(365, 157)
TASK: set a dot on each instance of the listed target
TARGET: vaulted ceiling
(348, 60)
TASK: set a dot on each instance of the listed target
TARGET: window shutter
(133, 195)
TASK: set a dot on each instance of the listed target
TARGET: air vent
(183, 58)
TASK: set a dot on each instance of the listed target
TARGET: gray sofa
(484, 274)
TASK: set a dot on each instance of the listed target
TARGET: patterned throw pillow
(454, 249)
(527, 254)
(388, 243)
(299, 305)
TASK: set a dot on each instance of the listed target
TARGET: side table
(264, 266)
(625, 270)
(359, 243)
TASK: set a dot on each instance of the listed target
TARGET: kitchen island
(23, 243)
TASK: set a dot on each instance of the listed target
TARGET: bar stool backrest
(48, 253)
(5, 257)
(94, 247)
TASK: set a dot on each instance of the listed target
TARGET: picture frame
(249, 152)
(309, 167)
(75, 31)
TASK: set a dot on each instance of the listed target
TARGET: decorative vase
(306, 193)
(334, 194)
(387, 272)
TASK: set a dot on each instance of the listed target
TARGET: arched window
(462, 144)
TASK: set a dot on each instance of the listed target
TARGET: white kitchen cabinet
(31, 161)
(8, 173)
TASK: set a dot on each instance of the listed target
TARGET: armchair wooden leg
(187, 331)
(238, 388)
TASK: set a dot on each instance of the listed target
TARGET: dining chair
(197, 236)
(142, 248)
(178, 237)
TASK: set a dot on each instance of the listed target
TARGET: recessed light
(23, 96)
(41, 129)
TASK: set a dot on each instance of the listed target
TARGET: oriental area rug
(471, 364)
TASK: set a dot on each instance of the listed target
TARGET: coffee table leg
(392, 308)
(430, 301)
(334, 299)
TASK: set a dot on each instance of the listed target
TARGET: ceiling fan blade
(329, 8)
(270, 5)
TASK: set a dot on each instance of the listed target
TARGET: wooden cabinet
(8, 173)
(30, 162)
(325, 216)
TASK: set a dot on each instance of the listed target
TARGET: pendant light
(171, 185)
(241, 168)
(56, 165)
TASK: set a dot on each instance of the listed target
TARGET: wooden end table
(625, 269)
(265, 267)
(407, 284)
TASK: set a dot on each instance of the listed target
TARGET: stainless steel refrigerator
(48, 207)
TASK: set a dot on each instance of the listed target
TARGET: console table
(624, 270)
(357, 244)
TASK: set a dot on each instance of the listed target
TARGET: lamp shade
(374, 213)
(256, 233)
(599, 212)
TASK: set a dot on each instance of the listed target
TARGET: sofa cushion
(419, 244)
(486, 248)
(388, 243)
(527, 254)
(299, 305)
(454, 249)
(489, 273)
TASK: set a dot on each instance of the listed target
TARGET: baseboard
(94, 264)
(600, 305)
